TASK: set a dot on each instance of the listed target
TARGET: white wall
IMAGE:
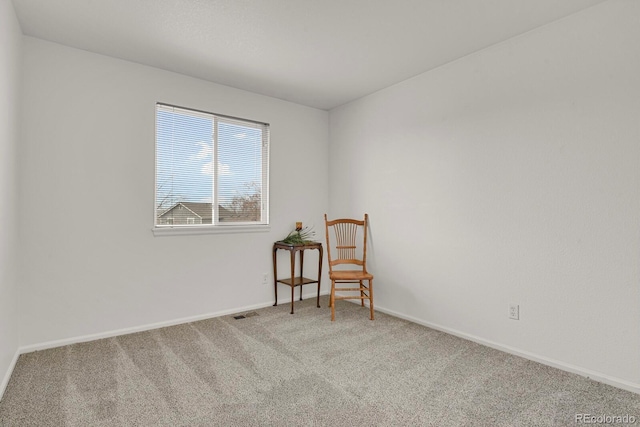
(88, 157)
(510, 175)
(10, 65)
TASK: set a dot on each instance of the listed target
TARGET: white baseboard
(597, 376)
(151, 326)
(7, 375)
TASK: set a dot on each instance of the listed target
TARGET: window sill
(198, 230)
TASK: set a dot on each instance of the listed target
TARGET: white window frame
(216, 226)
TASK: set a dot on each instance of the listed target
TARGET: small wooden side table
(294, 281)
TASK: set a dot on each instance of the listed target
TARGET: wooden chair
(348, 260)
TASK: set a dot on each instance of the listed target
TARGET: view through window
(210, 169)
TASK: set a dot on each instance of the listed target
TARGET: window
(211, 170)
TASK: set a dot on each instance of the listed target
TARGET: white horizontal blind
(210, 169)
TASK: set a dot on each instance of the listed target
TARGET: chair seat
(350, 275)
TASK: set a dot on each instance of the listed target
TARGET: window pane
(184, 155)
(239, 172)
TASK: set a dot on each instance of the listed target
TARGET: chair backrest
(346, 242)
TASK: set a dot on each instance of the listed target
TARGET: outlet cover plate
(514, 311)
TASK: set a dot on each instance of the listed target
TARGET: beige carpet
(277, 369)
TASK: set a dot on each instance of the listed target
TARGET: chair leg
(361, 294)
(332, 300)
(331, 295)
(371, 298)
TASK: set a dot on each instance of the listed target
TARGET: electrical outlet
(265, 278)
(514, 311)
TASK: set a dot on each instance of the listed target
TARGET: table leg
(275, 275)
(293, 277)
(319, 274)
(301, 271)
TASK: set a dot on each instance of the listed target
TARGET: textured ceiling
(320, 53)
